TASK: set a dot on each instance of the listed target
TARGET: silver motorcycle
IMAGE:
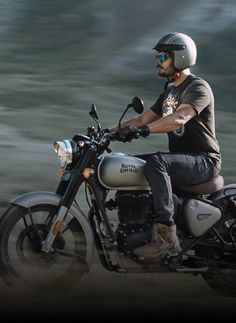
(47, 242)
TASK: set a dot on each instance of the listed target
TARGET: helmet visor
(169, 47)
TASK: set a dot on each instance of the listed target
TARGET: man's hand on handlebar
(128, 133)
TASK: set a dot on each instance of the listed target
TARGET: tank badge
(203, 216)
(129, 168)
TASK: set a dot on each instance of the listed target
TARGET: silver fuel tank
(122, 172)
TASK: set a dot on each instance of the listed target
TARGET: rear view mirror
(137, 104)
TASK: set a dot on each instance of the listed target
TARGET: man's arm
(173, 121)
(146, 117)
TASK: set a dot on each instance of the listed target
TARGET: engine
(135, 213)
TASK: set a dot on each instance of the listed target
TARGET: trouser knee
(154, 164)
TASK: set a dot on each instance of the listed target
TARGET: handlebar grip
(112, 136)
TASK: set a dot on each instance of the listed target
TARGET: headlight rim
(65, 147)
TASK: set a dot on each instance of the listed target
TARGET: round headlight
(64, 152)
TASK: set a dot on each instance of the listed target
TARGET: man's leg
(164, 169)
(161, 170)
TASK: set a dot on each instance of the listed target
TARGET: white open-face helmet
(183, 48)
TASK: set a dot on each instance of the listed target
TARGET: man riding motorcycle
(185, 111)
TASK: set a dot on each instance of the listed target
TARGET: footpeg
(183, 269)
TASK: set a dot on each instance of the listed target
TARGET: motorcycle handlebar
(115, 136)
(112, 136)
(123, 136)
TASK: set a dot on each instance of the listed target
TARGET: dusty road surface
(116, 297)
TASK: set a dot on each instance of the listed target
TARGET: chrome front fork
(54, 230)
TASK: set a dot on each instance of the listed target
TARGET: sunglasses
(162, 57)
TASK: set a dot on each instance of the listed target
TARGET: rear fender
(226, 191)
(225, 198)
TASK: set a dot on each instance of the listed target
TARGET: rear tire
(221, 279)
(221, 275)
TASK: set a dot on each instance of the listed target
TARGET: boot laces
(157, 238)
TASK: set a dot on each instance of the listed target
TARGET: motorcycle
(47, 242)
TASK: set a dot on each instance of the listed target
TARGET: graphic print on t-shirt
(169, 106)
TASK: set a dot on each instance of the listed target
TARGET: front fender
(43, 197)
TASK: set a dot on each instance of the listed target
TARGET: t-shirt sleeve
(198, 95)
(157, 106)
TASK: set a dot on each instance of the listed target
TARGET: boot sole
(170, 252)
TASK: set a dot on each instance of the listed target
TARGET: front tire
(24, 266)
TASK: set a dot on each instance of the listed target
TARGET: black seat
(215, 184)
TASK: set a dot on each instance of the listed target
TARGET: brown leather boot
(164, 241)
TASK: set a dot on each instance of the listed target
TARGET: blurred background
(58, 57)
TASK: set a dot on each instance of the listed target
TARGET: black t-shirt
(198, 134)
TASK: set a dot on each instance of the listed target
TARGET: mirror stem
(128, 106)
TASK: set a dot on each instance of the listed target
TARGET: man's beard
(170, 72)
(169, 75)
(164, 74)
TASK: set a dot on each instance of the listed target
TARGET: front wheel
(24, 266)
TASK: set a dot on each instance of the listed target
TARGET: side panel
(200, 216)
(42, 197)
(122, 172)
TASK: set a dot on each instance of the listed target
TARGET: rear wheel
(24, 266)
(221, 277)
(222, 265)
